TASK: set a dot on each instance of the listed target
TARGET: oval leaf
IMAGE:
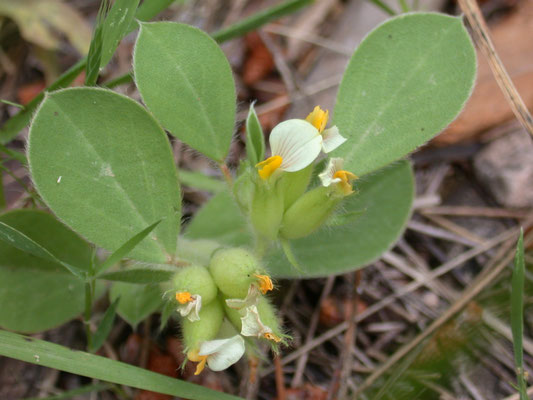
(33, 290)
(406, 82)
(186, 81)
(104, 166)
(136, 301)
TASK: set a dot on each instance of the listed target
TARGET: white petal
(222, 352)
(331, 139)
(252, 325)
(326, 176)
(297, 142)
(192, 308)
(251, 299)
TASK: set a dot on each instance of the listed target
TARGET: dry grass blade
(482, 37)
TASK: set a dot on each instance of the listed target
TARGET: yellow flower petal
(345, 178)
(184, 297)
(267, 167)
(318, 118)
(272, 336)
(265, 283)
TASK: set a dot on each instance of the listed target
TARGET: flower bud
(267, 209)
(195, 280)
(233, 271)
(309, 212)
(206, 328)
(293, 184)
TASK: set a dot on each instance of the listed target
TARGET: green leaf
(19, 240)
(517, 314)
(153, 274)
(116, 26)
(406, 82)
(33, 290)
(104, 328)
(51, 355)
(126, 248)
(255, 140)
(191, 70)
(386, 197)
(136, 301)
(198, 180)
(104, 166)
(220, 219)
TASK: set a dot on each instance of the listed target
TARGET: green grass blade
(22, 242)
(126, 248)
(517, 314)
(384, 7)
(141, 275)
(104, 328)
(11, 103)
(14, 154)
(99, 387)
(116, 26)
(51, 355)
(92, 69)
(255, 21)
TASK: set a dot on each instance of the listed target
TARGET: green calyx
(267, 208)
(233, 271)
(309, 212)
(293, 184)
(207, 328)
(197, 281)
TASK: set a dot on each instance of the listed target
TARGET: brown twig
(280, 383)
(483, 40)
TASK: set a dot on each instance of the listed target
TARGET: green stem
(287, 249)
(404, 6)
(384, 7)
(88, 312)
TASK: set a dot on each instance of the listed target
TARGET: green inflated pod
(206, 328)
(309, 212)
(234, 270)
(195, 280)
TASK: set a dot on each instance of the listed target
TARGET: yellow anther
(201, 360)
(184, 297)
(346, 177)
(267, 167)
(272, 336)
(318, 118)
(265, 283)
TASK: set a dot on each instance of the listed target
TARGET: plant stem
(384, 7)
(227, 174)
(88, 312)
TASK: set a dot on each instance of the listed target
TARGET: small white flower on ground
(218, 354)
(189, 305)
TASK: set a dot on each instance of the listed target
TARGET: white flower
(189, 305)
(334, 174)
(251, 299)
(331, 138)
(252, 326)
(218, 354)
(294, 144)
